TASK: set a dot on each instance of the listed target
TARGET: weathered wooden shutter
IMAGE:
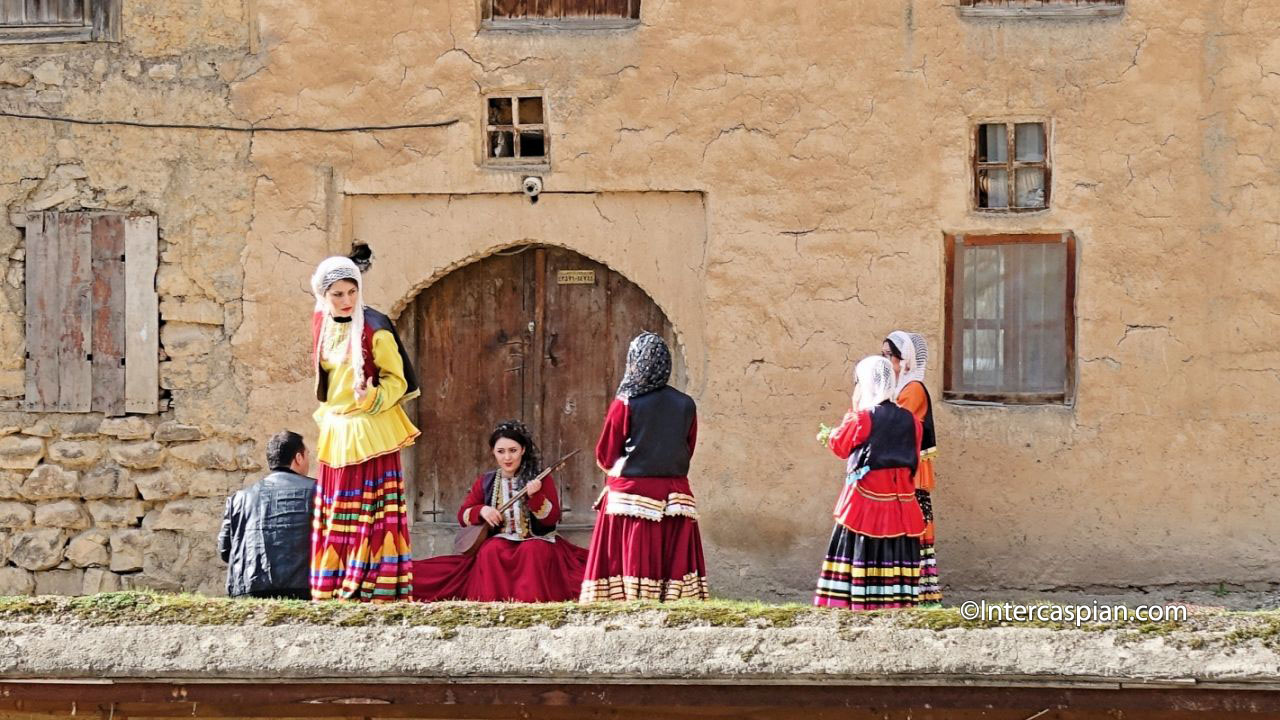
(92, 314)
(141, 316)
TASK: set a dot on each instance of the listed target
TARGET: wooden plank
(43, 310)
(508, 9)
(141, 316)
(71, 11)
(472, 328)
(616, 8)
(108, 338)
(951, 361)
(12, 12)
(41, 12)
(1070, 317)
(75, 261)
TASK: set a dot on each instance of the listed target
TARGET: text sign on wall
(576, 277)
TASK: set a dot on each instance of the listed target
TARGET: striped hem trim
(647, 508)
(624, 587)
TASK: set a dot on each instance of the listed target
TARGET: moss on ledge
(150, 608)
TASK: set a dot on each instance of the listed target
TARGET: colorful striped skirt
(359, 533)
(868, 573)
(930, 589)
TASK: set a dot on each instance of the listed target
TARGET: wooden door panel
(472, 345)
(575, 388)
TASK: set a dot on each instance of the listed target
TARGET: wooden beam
(142, 315)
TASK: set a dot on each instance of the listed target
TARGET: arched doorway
(536, 333)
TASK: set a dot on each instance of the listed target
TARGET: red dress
(517, 564)
(646, 544)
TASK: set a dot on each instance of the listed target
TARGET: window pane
(530, 111)
(500, 111)
(1028, 142)
(1029, 185)
(993, 144)
(532, 144)
(993, 188)
(1011, 325)
(501, 144)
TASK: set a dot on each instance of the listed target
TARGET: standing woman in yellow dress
(360, 536)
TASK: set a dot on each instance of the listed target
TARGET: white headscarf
(915, 357)
(327, 273)
(874, 376)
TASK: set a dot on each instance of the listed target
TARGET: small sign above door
(575, 277)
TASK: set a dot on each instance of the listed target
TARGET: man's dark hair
(282, 448)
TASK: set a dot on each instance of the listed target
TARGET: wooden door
(539, 334)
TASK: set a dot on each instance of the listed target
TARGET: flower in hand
(824, 433)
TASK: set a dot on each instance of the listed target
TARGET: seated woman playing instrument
(522, 560)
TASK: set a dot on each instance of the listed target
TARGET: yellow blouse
(352, 432)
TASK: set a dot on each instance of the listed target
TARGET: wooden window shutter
(92, 315)
(141, 316)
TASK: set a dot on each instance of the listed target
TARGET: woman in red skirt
(359, 537)
(522, 559)
(646, 544)
(873, 560)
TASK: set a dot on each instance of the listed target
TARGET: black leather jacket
(266, 535)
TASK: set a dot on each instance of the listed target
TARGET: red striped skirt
(359, 533)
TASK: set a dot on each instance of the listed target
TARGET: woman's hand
(534, 486)
(491, 516)
(362, 391)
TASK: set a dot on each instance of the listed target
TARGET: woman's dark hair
(282, 448)
(531, 462)
(894, 349)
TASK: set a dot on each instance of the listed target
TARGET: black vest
(892, 443)
(657, 443)
(535, 526)
(928, 439)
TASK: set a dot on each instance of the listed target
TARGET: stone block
(16, 581)
(89, 549)
(49, 73)
(60, 582)
(181, 339)
(107, 481)
(50, 482)
(140, 455)
(177, 432)
(214, 484)
(190, 515)
(116, 513)
(80, 427)
(13, 77)
(97, 580)
(158, 485)
(126, 428)
(11, 484)
(247, 456)
(212, 454)
(38, 548)
(20, 453)
(68, 514)
(15, 515)
(6, 546)
(40, 429)
(198, 311)
(129, 549)
(77, 454)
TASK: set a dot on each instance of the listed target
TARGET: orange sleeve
(913, 399)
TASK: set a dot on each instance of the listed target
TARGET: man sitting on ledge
(266, 528)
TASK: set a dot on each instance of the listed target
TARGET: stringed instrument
(469, 538)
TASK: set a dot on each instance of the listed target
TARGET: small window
(1010, 306)
(516, 130)
(1040, 8)
(535, 14)
(91, 313)
(45, 21)
(1011, 166)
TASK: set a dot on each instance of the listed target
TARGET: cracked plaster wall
(831, 143)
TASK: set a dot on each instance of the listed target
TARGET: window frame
(952, 241)
(1011, 164)
(543, 23)
(542, 163)
(101, 24)
(1046, 9)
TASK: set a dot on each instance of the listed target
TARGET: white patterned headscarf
(874, 378)
(330, 271)
(915, 357)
